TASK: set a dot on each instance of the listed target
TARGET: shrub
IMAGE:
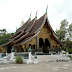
(62, 48)
(64, 53)
(69, 56)
(19, 60)
(70, 50)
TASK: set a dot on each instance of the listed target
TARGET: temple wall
(32, 42)
(3, 49)
(54, 43)
(45, 33)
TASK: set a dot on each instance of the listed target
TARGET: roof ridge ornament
(36, 15)
(46, 9)
(30, 16)
(22, 23)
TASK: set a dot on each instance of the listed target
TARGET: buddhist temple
(37, 34)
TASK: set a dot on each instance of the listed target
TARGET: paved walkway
(41, 67)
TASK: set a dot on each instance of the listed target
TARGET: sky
(12, 12)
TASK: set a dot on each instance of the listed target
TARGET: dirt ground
(41, 67)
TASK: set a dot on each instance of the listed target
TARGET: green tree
(64, 24)
(63, 30)
(2, 31)
(70, 30)
(4, 36)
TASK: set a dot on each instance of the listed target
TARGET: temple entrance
(45, 45)
(9, 49)
(41, 43)
(44, 48)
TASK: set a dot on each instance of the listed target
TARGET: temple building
(37, 34)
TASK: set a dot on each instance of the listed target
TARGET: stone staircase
(51, 58)
(41, 58)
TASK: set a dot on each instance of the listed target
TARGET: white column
(5, 60)
(67, 53)
(6, 53)
(0, 55)
(30, 61)
(29, 55)
(12, 55)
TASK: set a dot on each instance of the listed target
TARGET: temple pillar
(35, 46)
(60, 47)
(50, 41)
(37, 39)
(24, 47)
(0, 50)
(19, 49)
(15, 49)
(27, 46)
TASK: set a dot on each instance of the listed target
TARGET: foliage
(4, 36)
(62, 48)
(64, 24)
(3, 30)
(68, 43)
(64, 53)
(70, 30)
(63, 30)
(70, 50)
(19, 60)
(69, 56)
(61, 34)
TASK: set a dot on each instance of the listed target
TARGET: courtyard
(41, 67)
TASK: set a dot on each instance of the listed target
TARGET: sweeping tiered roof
(29, 30)
(32, 33)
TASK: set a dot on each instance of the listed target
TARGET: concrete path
(41, 67)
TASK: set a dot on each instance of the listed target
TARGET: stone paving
(41, 67)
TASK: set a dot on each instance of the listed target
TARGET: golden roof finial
(22, 23)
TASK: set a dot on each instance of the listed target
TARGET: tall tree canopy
(4, 36)
(62, 34)
(70, 30)
(63, 30)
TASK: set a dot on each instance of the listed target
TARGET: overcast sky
(12, 12)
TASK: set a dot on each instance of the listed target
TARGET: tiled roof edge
(31, 38)
(42, 24)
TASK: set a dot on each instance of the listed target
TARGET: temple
(37, 34)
